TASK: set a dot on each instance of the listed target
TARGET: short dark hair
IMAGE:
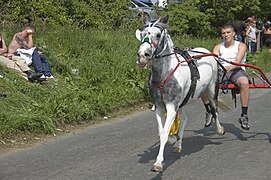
(30, 25)
(228, 25)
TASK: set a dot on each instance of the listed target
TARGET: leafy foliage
(185, 20)
(195, 17)
(84, 13)
(204, 17)
(224, 11)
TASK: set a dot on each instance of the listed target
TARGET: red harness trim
(153, 43)
(239, 64)
(231, 86)
(252, 86)
(161, 86)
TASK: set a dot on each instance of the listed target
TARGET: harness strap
(194, 76)
(161, 86)
(233, 94)
(170, 75)
(225, 81)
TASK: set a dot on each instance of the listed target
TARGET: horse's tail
(223, 104)
(220, 102)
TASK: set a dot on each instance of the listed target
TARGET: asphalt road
(126, 149)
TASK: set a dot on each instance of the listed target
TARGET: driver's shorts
(233, 75)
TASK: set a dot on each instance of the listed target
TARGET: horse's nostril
(147, 55)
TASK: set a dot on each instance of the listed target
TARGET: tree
(84, 13)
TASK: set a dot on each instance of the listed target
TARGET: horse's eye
(158, 35)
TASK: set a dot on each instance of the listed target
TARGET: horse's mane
(163, 25)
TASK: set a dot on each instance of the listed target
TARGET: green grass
(106, 78)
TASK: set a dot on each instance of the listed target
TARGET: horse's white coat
(177, 87)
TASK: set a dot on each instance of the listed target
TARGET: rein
(196, 57)
(187, 60)
(234, 63)
(176, 52)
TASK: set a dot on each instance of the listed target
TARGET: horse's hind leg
(211, 96)
(177, 147)
(210, 110)
(219, 129)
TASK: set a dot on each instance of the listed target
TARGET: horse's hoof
(221, 132)
(156, 168)
(176, 150)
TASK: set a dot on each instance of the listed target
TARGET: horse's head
(153, 40)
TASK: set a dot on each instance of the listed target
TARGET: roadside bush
(55, 13)
(186, 19)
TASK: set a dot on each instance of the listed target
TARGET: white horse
(170, 81)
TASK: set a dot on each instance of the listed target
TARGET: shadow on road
(229, 128)
(192, 144)
(240, 134)
(197, 142)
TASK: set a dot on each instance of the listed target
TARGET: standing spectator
(260, 28)
(267, 35)
(252, 39)
(24, 40)
(241, 28)
(251, 18)
(16, 63)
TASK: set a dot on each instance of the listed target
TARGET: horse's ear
(139, 35)
(164, 19)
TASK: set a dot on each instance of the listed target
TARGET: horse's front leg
(164, 131)
(160, 118)
(177, 147)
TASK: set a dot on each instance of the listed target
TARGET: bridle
(160, 46)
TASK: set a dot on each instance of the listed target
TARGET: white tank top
(229, 53)
(252, 34)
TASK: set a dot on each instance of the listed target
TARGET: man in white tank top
(234, 51)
